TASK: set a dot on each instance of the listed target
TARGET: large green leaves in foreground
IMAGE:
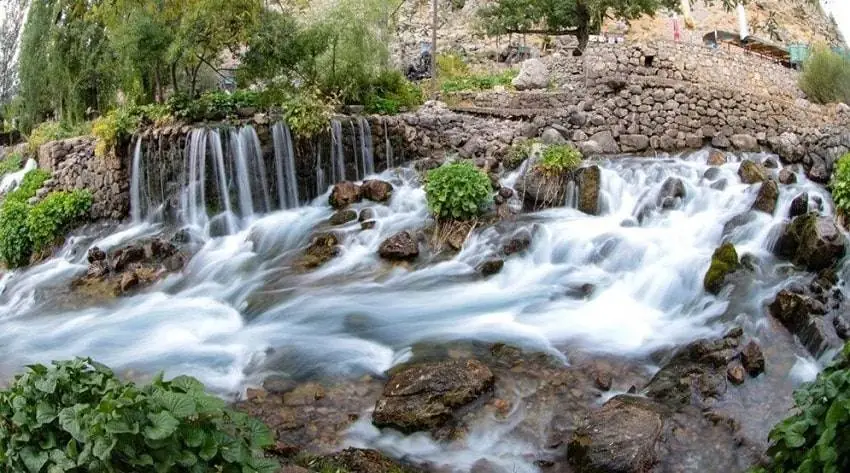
(77, 416)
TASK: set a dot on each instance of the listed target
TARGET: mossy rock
(724, 262)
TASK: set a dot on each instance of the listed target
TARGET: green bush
(519, 152)
(839, 185)
(558, 159)
(111, 128)
(458, 191)
(306, 111)
(78, 416)
(12, 163)
(391, 92)
(478, 82)
(216, 105)
(55, 215)
(816, 438)
(451, 66)
(15, 243)
(826, 77)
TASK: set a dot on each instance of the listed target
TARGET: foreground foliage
(78, 416)
(839, 185)
(816, 438)
(458, 191)
(10, 164)
(826, 77)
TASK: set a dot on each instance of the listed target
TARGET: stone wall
(725, 67)
(75, 166)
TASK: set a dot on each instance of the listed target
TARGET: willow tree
(12, 15)
(579, 18)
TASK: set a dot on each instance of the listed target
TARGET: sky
(840, 10)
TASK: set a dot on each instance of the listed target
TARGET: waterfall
(388, 147)
(337, 152)
(287, 185)
(223, 188)
(320, 173)
(366, 154)
(243, 181)
(194, 197)
(252, 144)
(135, 184)
(357, 175)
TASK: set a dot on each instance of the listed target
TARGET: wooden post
(434, 40)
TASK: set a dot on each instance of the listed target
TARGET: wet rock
(751, 173)
(518, 243)
(841, 326)
(344, 194)
(799, 206)
(181, 236)
(602, 380)
(672, 189)
(533, 74)
(366, 215)
(719, 185)
(123, 257)
(506, 192)
(716, 158)
(634, 143)
(736, 373)
(811, 241)
(129, 280)
(711, 174)
(401, 246)
(605, 140)
(767, 197)
(97, 270)
(159, 249)
(425, 396)
(491, 267)
(342, 217)
(620, 437)
(724, 262)
(322, 249)
(540, 190)
(753, 359)
(588, 180)
(95, 254)
(737, 221)
(376, 190)
(787, 177)
(770, 163)
(793, 311)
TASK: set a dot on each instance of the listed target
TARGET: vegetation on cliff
(826, 77)
(559, 159)
(78, 416)
(839, 185)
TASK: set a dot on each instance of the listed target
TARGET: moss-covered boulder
(767, 197)
(724, 262)
(811, 241)
(751, 172)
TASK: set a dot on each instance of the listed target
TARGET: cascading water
(284, 155)
(366, 153)
(238, 311)
(337, 152)
(135, 183)
(388, 147)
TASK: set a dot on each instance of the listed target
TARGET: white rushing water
(240, 310)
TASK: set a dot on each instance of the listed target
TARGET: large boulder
(799, 206)
(124, 257)
(342, 217)
(724, 262)
(716, 158)
(744, 142)
(812, 241)
(605, 140)
(796, 312)
(399, 247)
(344, 194)
(551, 136)
(621, 437)
(767, 197)
(376, 190)
(787, 146)
(424, 397)
(588, 181)
(323, 247)
(533, 74)
(632, 143)
(787, 177)
(541, 190)
(751, 172)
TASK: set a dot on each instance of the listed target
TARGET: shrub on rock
(78, 416)
(812, 241)
(724, 262)
(559, 159)
(457, 191)
(839, 185)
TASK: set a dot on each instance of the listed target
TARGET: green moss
(724, 261)
(519, 152)
(559, 159)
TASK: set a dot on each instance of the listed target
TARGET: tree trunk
(174, 78)
(582, 28)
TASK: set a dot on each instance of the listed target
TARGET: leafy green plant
(826, 77)
(457, 191)
(451, 66)
(77, 416)
(15, 243)
(391, 92)
(12, 163)
(30, 184)
(558, 159)
(306, 111)
(816, 438)
(839, 185)
(54, 215)
(519, 152)
(111, 128)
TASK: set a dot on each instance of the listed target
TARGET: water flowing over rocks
(345, 194)
(322, 249)
(767, 196)
(588, 181)
(376, 190)
(399, 247)
(131, 267)
(752, 173)
(424, 397)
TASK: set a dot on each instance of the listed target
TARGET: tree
(12, 15)
(579, 18)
